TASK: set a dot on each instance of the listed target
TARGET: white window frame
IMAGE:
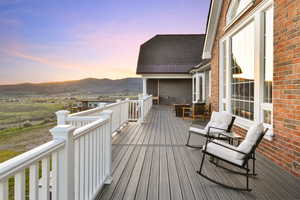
(256, 16)
(196, 85)
(194, 88)
(230, 19)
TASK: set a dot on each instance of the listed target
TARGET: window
(224, 76)
(237, 8)
(268, 67)
(246, 67)
(194, 89)
(198, 87)
(242, 72)
(268, 59)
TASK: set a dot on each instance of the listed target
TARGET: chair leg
(222, 184)
(247, 176)
(191, 146)
(202, 162)
(253, 165)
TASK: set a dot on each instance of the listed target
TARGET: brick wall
(284, 150)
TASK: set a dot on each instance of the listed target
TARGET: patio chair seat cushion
(250, 140)
(224, 153)
(219, 120)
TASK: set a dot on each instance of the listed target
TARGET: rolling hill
(78, 87)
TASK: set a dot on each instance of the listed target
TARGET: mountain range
(77, 87)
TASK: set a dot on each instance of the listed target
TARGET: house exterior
(254, 48)
(165, 63)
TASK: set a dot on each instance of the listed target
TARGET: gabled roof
(170, 54)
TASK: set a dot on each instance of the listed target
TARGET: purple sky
(61, 40)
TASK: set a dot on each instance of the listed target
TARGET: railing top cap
(62, 112)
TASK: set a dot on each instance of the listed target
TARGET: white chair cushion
(219, 120)
(250, 140)
(224, 153)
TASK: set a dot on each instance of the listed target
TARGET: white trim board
(167, 76)
(213, 23)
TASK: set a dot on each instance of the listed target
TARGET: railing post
(119, 107)
(127, 109)
(65, 176)
(141, 105)
(108, 164)
(62, 116)
(101, 105)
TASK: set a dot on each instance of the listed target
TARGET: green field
(14, 137)
(14, 113)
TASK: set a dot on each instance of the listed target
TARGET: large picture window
(246, 68)
(242, 72)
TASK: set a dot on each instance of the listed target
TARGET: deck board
(151, 161)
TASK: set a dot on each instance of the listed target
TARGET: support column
(144, 86)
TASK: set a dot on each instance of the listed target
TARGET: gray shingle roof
(170, 54)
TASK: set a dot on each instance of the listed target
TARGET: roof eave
(141, 73)
(212, 26)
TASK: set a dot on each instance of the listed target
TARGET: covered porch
(151, 161)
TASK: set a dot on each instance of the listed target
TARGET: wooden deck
(150, 161)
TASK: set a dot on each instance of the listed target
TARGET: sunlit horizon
(64, 81)
(54, 41)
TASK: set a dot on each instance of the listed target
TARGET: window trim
(257, 16)
(230, 22)
(196, 90)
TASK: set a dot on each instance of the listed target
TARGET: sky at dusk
(57, 40)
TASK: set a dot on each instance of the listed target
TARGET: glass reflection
(242, 70)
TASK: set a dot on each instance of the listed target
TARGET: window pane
(268, 61)
(242, 68)
(242, 5)
(224, 106)
(224, 69)
(267, 116)
(200, 88)
(194, 89)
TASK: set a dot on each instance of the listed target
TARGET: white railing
(45, 167)
(74, 165)
(147, 105)
(92, 158)
(77, 162)
(119, 117)
(134, 110)
(138, 109)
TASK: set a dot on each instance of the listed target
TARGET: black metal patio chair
(226, 125)
(236, 156)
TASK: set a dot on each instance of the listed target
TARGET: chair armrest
(229, 148)
(217, 128)
(211, 127)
